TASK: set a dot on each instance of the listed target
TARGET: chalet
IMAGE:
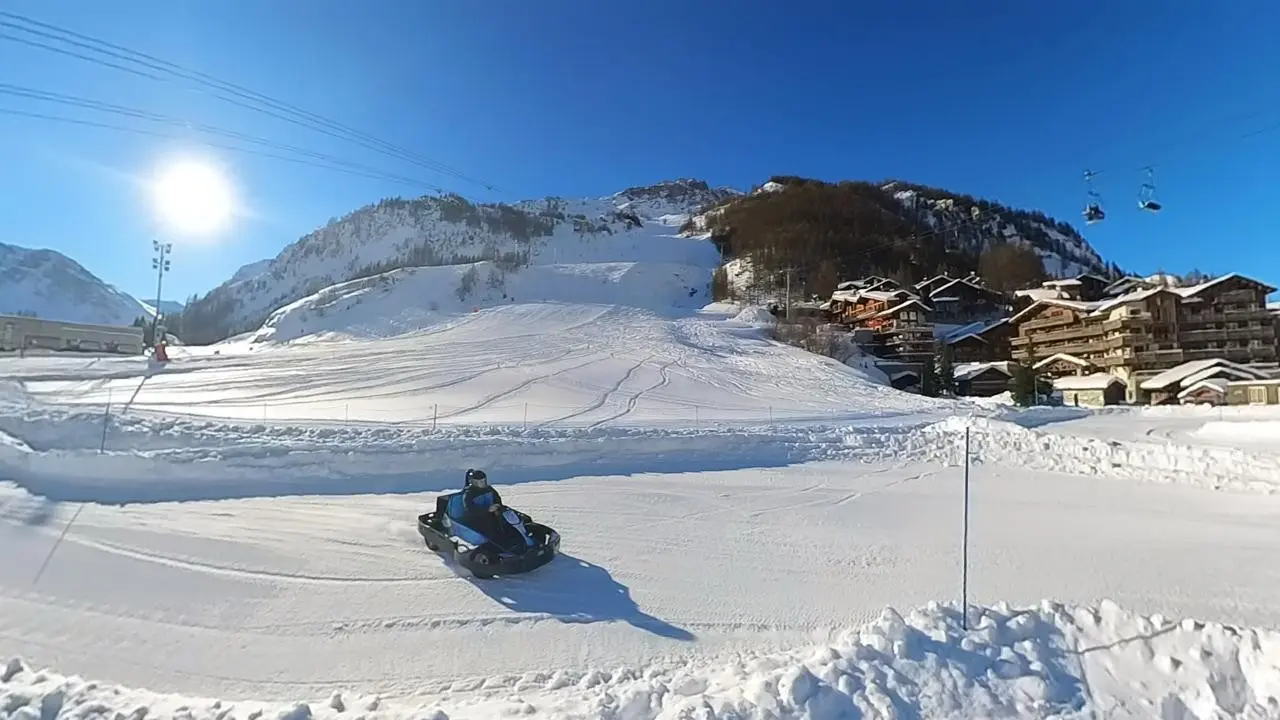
(1094, 390)
(1205, 392)
(979, 342)
(964, 301)
(1253, 392)
(1168, 386)
(905, 330)
(1063, 365)
(851, 306)
(983, 379)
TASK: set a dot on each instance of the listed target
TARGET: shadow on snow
(572, 590)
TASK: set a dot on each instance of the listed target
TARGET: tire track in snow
(247, 574)
(516, 388)
(603, 398)
(634, 399)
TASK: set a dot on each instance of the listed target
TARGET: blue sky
(1010, 101)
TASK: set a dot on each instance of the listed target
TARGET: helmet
(477, 478)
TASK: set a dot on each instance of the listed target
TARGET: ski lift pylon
(1147, 194)
(1093, 211)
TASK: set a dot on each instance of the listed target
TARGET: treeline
(824, 233)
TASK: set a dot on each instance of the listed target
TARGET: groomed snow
(529, 365)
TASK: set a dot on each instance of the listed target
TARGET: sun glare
(193, 198)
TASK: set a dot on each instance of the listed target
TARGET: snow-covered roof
(1040, 293)
(1096, 381)
(1057, 302)
(974, 329)
(1233, 372)
(902, 306)
(1186, 370)
(1215, 384)
(1064, 357)
(1192, 290)
(1134, 296)
(1063, 282)
(967, 371)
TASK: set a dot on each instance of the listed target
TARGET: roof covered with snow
(1216, 384)
(1096, 381)
(1198, 370)
(968, 371)
(1063, 357)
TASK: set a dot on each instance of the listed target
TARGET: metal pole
(161, 263)
(106, 418)
(788, 294)
(964, 542)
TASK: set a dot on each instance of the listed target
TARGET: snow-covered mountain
(50, 285)
(639, 224)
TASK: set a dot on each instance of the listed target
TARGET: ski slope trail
(276, 599)
(534, 364)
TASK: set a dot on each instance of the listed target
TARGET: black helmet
(477, 478)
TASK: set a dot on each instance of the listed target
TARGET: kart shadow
(573, 590)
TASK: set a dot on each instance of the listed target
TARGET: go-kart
(511, 544)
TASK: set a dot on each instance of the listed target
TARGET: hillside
(637, 224)
(830, 232)
(50, 285)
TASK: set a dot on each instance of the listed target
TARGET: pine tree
(1024, 385)
(946, 371)
(929, 379)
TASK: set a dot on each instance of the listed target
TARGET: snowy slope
(584, 364)
(413, 299)
(636, 225)
(55, 287)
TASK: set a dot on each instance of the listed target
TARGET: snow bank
(1035, 662)
(1257, 431)
(1007, 443)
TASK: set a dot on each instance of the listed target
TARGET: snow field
(527, 366)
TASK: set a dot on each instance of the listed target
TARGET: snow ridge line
(1028, 662)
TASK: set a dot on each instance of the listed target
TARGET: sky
(1004, 100)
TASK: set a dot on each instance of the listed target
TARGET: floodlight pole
(161, 265)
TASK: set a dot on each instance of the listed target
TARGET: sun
(193, 197)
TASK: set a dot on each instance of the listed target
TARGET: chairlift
(1093, 209)
(1147, 195)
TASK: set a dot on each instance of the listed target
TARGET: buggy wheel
(481, 562)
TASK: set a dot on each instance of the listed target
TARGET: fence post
(106, 419)
(347, 414)
(435, 414)
(526, 416)
(770, 415)
(964, 541)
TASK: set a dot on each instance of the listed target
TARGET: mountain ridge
(52, 286)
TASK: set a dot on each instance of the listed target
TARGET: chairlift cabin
(1093, 211)
(1147, 195)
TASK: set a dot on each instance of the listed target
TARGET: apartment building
(1147, 329)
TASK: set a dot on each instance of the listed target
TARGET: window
(1258, 395)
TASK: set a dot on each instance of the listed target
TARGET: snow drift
(1049, 661)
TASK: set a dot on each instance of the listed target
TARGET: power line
(389, 177)
(112, 108)
(278, 109)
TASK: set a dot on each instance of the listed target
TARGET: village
(1083, 341)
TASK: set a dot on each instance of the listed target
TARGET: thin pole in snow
(106, 418)
(56, 543)
(435, 414)
(526, 416)
(964, 541)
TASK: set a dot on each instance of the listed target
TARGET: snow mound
(413, 299)
(1049, 661)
